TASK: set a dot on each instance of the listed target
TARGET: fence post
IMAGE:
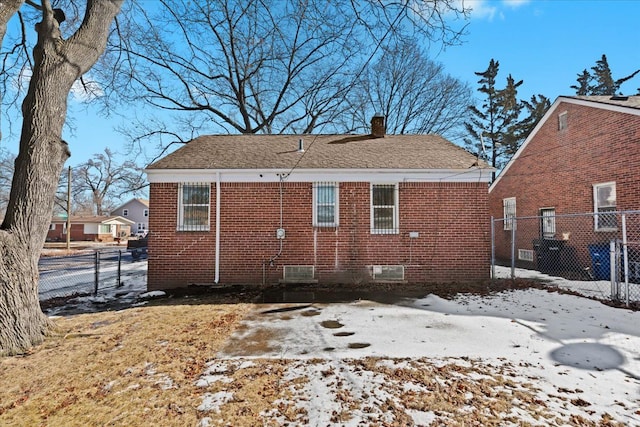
(625, 257)
(613, 264)
(493, 249)
(97, 273)
(119, 268)
(513, 248)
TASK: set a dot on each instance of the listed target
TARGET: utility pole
(69, 209)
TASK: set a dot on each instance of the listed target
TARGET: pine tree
(584, 80)
(604, 83)
(497, 121)
(601, 82)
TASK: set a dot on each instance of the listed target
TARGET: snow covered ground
(578, 357)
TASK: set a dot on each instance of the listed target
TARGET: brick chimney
(377, 126)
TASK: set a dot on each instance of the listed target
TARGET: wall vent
(293, 273)
(525, 255)
(387, 272)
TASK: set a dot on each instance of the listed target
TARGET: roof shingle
(321, 152)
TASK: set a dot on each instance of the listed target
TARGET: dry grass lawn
(128, 368)
(145, 366)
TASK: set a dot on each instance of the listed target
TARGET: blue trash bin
(600, 262)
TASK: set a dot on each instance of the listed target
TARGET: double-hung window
(509, 213)
(384, 208)
(604, 206)
(325, 204)
(193, 207)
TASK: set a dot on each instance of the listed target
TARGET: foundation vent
(388, 272)
(298, 273)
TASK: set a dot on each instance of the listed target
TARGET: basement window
(193, 207)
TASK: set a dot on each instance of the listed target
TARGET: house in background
(90, 228)
(136, 210)
(263, 209)
(583, 156)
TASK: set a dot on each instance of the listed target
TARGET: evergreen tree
(584, 79)
(496, 128)
(601, 81)
(604, 83)
(536, 108)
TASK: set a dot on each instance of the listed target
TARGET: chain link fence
(597, 254)
(87, 274)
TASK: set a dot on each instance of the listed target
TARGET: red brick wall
(559, 167)
(451, 218)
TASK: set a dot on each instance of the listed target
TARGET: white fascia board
(592, 103)
(473, 174)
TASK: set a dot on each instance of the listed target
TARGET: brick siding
(558, 168)
(451, 219)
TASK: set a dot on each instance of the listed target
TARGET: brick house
(90, 228)
(583, 156)
(262, 209)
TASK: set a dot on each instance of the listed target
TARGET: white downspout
(217, 273)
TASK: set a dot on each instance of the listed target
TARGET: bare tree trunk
(57, 64)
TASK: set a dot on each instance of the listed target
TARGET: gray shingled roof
(322, 151)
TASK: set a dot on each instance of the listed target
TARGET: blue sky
(546, 43)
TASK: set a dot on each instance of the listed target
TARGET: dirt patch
(331, 324)
(343, 334)
(358, 345)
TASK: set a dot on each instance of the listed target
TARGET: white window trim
(596, 226)
(125, 212)
(396, 210)
(336, 204)
(508, 222)
(180, 225)
(145, 212)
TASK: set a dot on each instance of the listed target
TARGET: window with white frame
(52, 227)
(548, 222)
(125, 212)
(145, 213)
(193, 207)
(325, 204)
(604, 206)
(509, 212)
(384, 208)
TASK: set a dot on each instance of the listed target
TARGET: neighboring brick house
(261, 209)
(583, 156)
(136, 210)
(90, 228)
